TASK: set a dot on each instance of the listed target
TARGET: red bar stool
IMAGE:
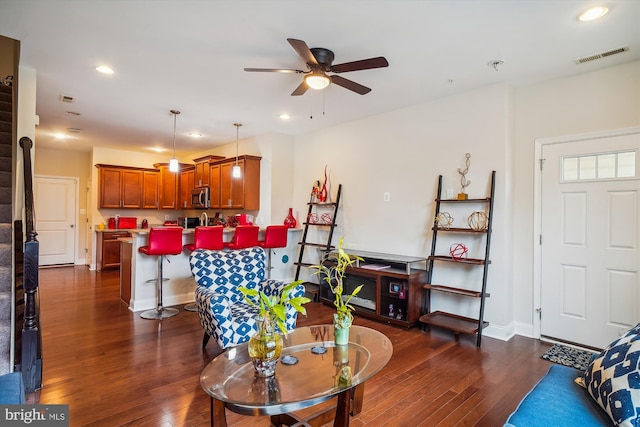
(245, 236)
(275, 236)
(162, 241)
(204, 238)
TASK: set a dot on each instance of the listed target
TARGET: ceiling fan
(319, 63)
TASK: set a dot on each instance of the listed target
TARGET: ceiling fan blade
(273, 70)
(303, 50)
(301, 89)
(363, 64)
(351, 85)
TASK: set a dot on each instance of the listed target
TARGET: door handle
(71, 226)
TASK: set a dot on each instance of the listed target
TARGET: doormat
(568, 356)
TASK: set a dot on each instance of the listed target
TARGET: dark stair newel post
(31, 338)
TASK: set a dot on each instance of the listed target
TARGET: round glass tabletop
(309, 376)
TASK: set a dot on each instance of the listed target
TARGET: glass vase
(265, 347)
(290, 220)
(341, 328)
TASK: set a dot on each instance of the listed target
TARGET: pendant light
(236, 172)
(173, 163)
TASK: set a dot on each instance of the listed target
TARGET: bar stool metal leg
(160, 312)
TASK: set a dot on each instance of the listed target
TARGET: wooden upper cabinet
(120, 186)
(214, 186)
(168, 187)
(186, 185)
(150, 185)
(202, 166)
(131, 189)
(110, 184)
(243, 192)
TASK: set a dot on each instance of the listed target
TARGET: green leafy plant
(332, 271)
(273, 310)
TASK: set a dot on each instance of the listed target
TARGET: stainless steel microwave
(200, 198)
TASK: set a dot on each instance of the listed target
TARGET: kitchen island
(178, 287)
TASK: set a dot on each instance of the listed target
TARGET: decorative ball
(326, 218)
(444, 220)
(458, 251)
(312, 218)
(478, 221)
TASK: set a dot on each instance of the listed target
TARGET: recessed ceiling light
(195, 134)
(60, 136)
(158, 149)
(284, 116)
(593, 13)
(104, 69)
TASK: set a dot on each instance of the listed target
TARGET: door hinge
(541, 161)
(539, 311)
(540, 239)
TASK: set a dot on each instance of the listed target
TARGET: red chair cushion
(275, 236)
(163, 241)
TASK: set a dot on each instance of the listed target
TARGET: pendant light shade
(236, 172)
(173, 163)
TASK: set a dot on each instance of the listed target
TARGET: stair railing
(31, 360)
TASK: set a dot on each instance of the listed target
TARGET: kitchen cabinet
(108, 249)
(243, 192)
(202, 170)
(167, 187)
(150, 184)
(187, 175)
(121, 186)
(214, 186)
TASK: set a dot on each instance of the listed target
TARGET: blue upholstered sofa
(557, 401)
(11, 389)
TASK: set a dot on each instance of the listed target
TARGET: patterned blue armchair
(223, 313)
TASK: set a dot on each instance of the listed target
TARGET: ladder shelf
(452, 321)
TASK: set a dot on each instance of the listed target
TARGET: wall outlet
(166, 217)
(386, 196)
(449, 193)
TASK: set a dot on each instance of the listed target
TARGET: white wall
(594, 101)
(403, 152)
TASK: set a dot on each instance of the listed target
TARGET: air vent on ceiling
(67, 98)
(601, 55)
(74, 130)
(72, 113)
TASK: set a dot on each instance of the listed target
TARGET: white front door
(55, 206)
(590, 232)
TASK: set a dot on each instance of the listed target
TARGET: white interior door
(589, 239)
(55, 206)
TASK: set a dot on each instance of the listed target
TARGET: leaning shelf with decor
(392, 288)
(479, 227)
(322, 217)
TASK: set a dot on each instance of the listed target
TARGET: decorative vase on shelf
(341, 326)
(290, 220)
(265, 347)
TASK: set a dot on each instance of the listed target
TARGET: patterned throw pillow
(613, 379)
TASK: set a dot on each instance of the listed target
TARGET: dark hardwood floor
(113, 368)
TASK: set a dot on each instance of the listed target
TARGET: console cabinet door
(201, 178)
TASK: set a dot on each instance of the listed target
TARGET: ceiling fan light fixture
(317, 81)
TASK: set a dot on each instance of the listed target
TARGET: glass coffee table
(311, 370)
